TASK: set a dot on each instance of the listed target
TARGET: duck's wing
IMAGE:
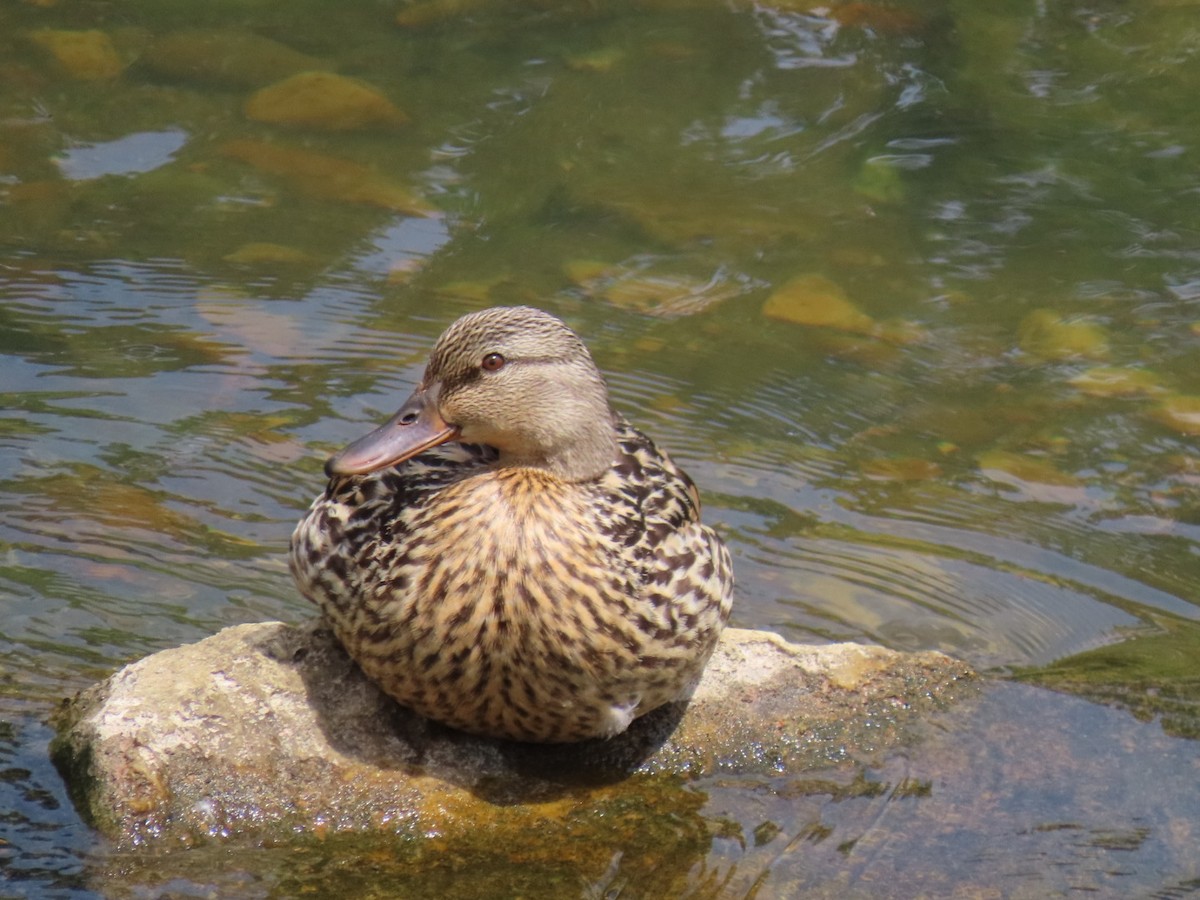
(685, 570)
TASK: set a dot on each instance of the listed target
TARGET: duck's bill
(416, 427)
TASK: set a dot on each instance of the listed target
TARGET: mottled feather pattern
(507, 601)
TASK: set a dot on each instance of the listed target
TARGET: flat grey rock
(269, 730)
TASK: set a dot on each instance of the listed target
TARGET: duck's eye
(493, 362)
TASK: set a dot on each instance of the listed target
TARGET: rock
(1050, 337)
(269, 730)
(881, 180)
(1026, 468)
(88, 55)
(682, 214)
(424, 13)
(600, 61)
(901, 468)
(1110, 381)
(225, 57)
(666, 295)
(324, 101)
(266, 253)
(1180, 412)
(815, 300)
(326, 177)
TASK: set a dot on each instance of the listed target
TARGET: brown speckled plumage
(523, 587)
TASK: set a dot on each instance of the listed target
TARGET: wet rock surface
(268, 730)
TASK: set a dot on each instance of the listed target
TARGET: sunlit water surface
(912, 291)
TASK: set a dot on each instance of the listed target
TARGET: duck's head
(514, 378)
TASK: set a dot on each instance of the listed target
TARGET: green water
(991, 451)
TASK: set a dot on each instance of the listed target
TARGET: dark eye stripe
(462, 379)
(537, 360)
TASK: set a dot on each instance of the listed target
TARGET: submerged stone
(880, 18)
(901, 468)
(1047, 335)
(880, 180)
(1110, 381)
(327, 177)
(702, 209)
(479, 289)
(88, 55)
(325, 101)
(818, 301)
(600, 61)
(270, 730)
(1026, 468)
(1180, 412)
(1151, 672)
(264, 252)
(225, 57)
(431, 12)
(666, 295)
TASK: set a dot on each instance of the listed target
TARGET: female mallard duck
(507, 555)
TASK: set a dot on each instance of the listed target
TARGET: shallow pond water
(911, 290)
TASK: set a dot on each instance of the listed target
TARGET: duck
(507, 555)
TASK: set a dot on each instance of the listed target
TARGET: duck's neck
(582, 453)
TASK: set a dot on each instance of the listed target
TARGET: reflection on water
(1018, 804)
(910, 290)
(44, 843)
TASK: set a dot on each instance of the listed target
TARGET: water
(991, 452)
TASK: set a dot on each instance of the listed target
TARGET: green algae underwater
(911, 290)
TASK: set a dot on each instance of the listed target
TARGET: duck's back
(505, 601)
